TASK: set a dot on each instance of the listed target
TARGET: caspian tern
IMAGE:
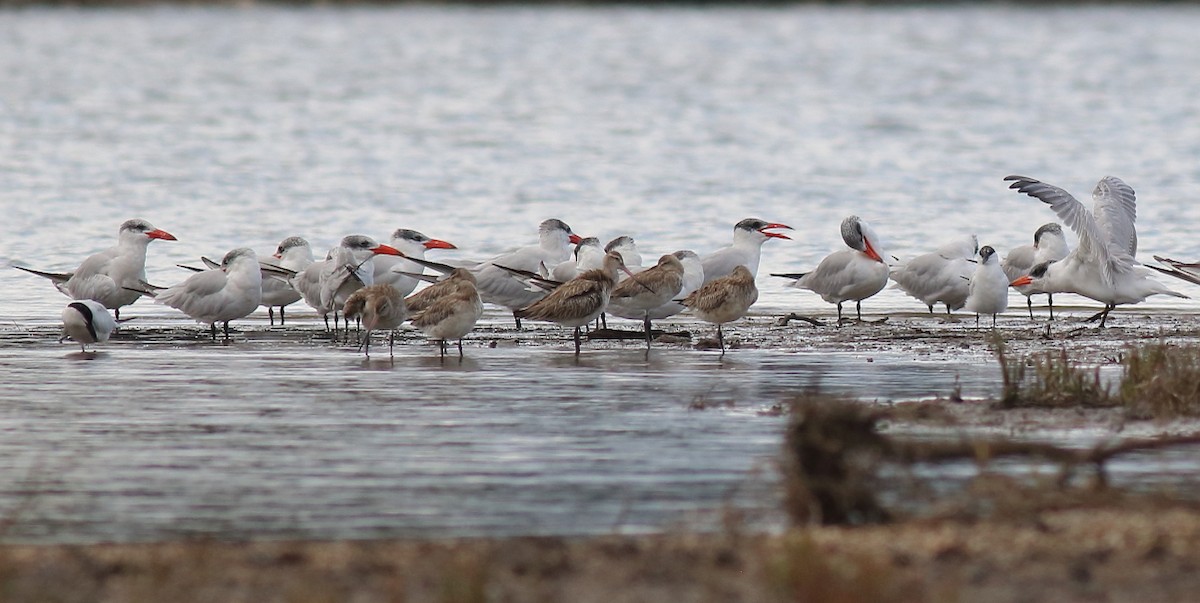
(850, 274)
(496, 285)
(1102, 267)
(86, 321)
(222, 294)
(450, 309)
(748, 237)
(649, 289)
(293, 254)
(1049, 245)
(578, 301)
(380, 306)
(988, 289)
(348, 269)
(390, 270)
(724, 299)
(942, 276)
(109, 276)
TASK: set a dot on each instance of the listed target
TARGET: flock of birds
(573, 281)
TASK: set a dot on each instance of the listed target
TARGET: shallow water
(240, 126)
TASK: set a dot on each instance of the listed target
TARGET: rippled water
(240, 126)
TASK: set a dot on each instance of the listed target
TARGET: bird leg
(1050, 296)
(1102, 315)
(720, 339)
(281, 316)
(1029, 302)
(576, 341)
(227, 330)
(647, 323)
(212, 328)
(391, 343)
(460, 352)
(858, 309)
(271, 314)
(518, 319)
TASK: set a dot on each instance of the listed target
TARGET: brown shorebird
(580, 300)
(381, 307)
(725, 299)
(650, 289)
(447, 309)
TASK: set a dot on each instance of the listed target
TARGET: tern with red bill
(852, 274)
(1049, 245)
(349, 269)
(580, 300)
(86, 321)
(746, 250)
(391, 270)
(108, 276)
(1102, 267)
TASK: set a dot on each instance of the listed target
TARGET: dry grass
(1161, 381)
(832, 453)
(1158, 381)
(1049, 379)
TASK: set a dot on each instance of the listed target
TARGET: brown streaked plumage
(448, 309)
(456, 279)
(725, 299)
(381, 307)
(650, 289)
(580, 300)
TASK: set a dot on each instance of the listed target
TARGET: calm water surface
(232, 127)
